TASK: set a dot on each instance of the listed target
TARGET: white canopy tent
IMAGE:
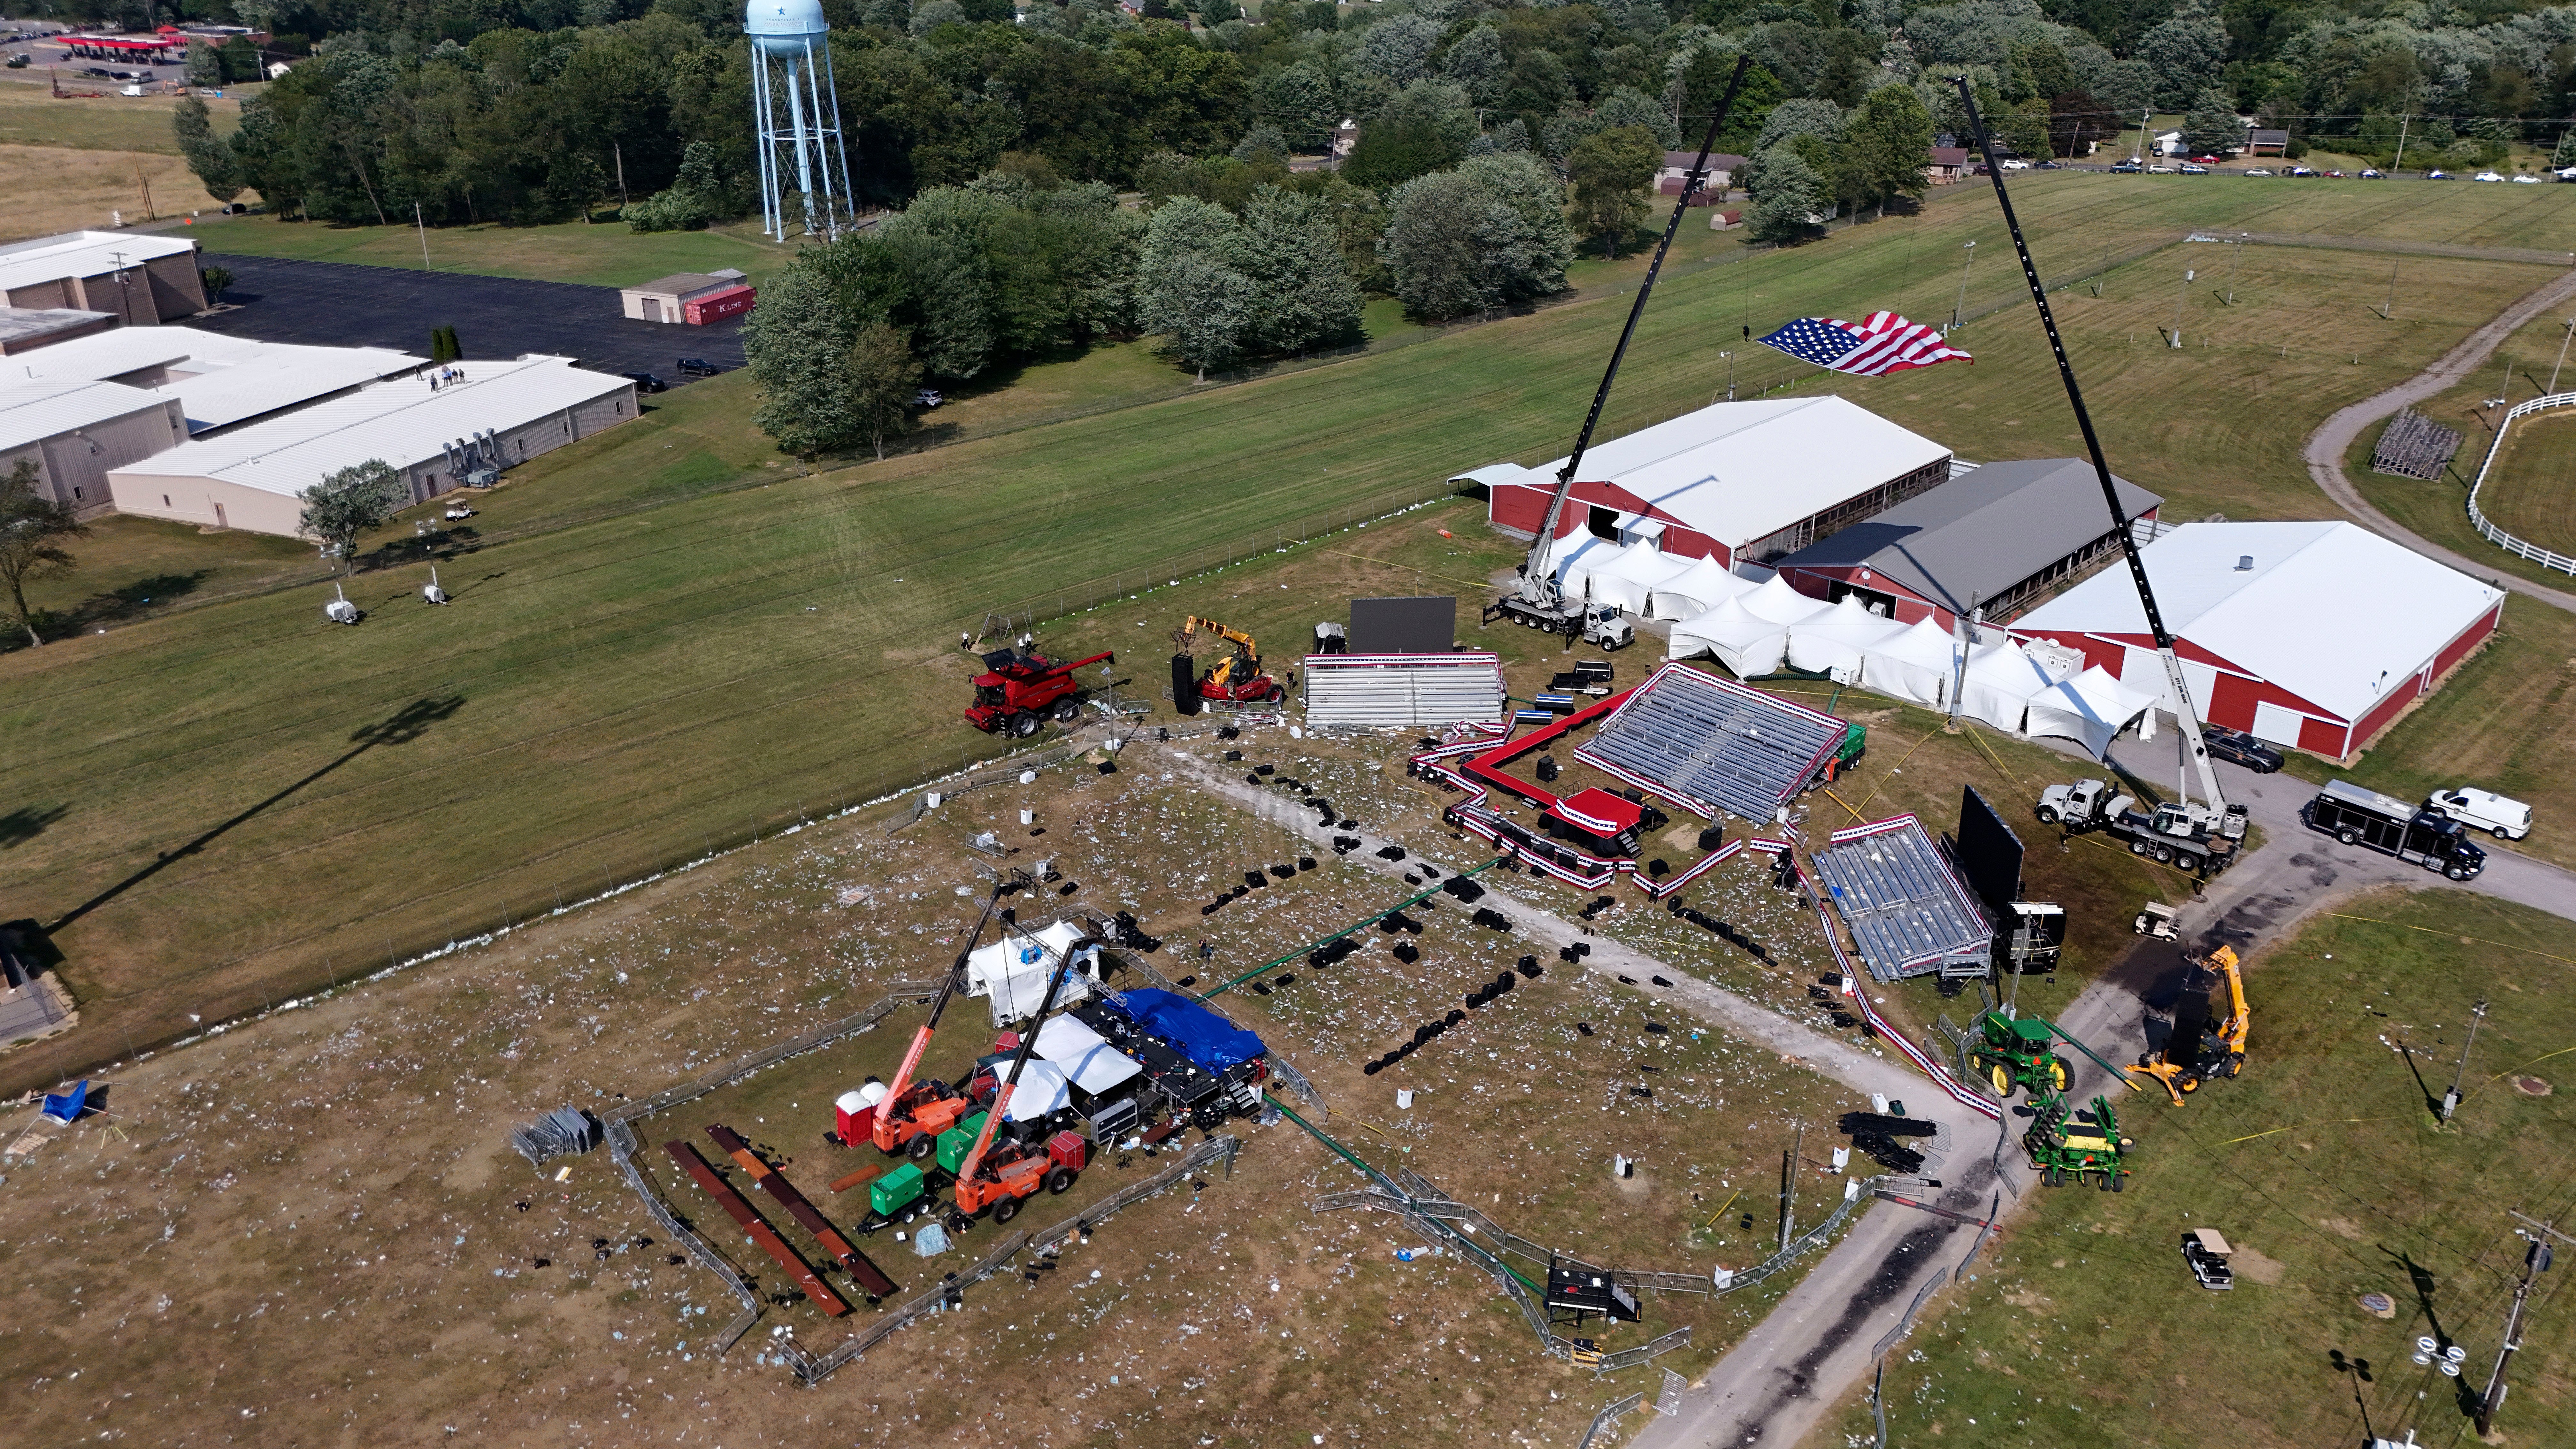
(1743, 643)
(1697, 589)
(1912, 664)
(1012, 972)
(1084, 1055)
(1781, 604)
(1629, 577)
(2090, 708)
(1041, 1092)
(2001, 682)
(1832, 641)
(1575, 556)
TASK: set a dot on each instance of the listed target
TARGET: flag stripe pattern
(1883, 343)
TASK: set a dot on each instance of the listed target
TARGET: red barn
(2312, 635)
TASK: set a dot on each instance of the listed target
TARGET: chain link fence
(1609, 1415)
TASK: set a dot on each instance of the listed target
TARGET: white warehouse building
(499, 414)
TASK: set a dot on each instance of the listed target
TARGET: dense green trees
(1613, 172)
(1489, 234)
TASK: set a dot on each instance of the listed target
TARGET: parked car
(2503, 818)
(927, 398)
(646, 382)
(2487, 176)
(2210, 160)
(2301, 171)
(2016, 164)
(2439, 175)
(2160, 171)
(2238, 747)
(2336, 174)
(2192, 168)
(2567, 175)
(2049, 166)
(2373, 173)
(698, 367)
(20, 61)
(2526, 181)
(2259, 171)
(2129, 167)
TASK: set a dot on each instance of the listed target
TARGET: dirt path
(2334, 437)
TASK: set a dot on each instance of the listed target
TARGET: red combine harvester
(1020, 688)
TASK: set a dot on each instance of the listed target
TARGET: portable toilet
(854, 1113)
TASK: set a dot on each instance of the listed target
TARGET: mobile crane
(912, 1114)
(2207, 822)
(998, 1178)
(1539, 600)
(1237, 678)
(2199, 1050)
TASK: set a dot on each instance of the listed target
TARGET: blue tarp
(1207, 1039)
(65, 1107)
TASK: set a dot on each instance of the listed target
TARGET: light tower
(801, 152)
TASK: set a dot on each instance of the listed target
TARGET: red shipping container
(716, 306)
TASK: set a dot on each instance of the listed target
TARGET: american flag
(1883, 343)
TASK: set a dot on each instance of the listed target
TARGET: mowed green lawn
(2531, 493)
(2324, 1166)
(670, 638)
(598, 254)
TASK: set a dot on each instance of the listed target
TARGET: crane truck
(2209, 829)
(1538, 600)
(999, 1177)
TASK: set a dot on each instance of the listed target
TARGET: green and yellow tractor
(2012, 1051)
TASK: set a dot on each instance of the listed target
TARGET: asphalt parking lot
(337, 304)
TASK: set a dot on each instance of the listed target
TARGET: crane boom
(974, 1161)
(886, 1138)
(2195, 750)
(1538, 584)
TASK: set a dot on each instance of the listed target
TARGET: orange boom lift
(913, 1114)
(1000, 1179)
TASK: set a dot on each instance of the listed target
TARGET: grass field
(599, 254)
(315, 1219)
(653, 653)
(2324, 1166)
(31, 115)
(2531, 493)
(69, 190)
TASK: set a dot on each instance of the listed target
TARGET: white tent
(2001, 682)
(1696, 590)
(1781, 604)
(2090, 708)
(1741, 642)
(1832, 641)
(1094, 1065)
(1040, 1093)
(1577, 554)
(1630, 576)
(1013, 971)
(1912, 665)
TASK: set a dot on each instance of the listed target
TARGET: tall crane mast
(2212, 812)
(1539, 598)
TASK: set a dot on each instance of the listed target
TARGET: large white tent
(1574, 556)
(1696, 590)
(2001, 681)
(1912, 664)
(1781, 604)
(1012, 972)
(1743, 643)
(1041, 1091)
(1627, 579)
(2090, 708)
(1833, 641)
(1084, 1055)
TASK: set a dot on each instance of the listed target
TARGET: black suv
(646, 382)
(2241, 748)
(698, 367)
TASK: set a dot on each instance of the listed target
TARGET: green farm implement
(2064, 1143)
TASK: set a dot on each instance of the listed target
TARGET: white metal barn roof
(402, 423)
(80, 254)
(1743, 470)
(2326, 610)
(33, 411)
(218, 380)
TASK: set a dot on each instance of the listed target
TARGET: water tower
(800, 130)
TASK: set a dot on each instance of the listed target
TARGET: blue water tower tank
(783, 27)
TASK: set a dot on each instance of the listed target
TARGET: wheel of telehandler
(1067, 710)
(2001, 1076)
(1005, 1210)
(1024, 724)
(2235, 1063)
(2057, 1073)
(1060, 1180)
(1278, 692)
(920, 1147)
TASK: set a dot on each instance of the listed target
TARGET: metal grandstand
(2414, 446)
(1907, 911)
(1711, 744)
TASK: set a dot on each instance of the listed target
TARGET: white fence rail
(2497, 536)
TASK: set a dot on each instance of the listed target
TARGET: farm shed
(2313, 635)
(1996, 536)
(220, 381)
(76, 431)
(143, 280)
(688, 298)
(248, 478)
(1740, 482)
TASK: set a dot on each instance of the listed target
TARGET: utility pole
(2562, 353)
(1730, 370)
(1789, 1183)
(2233, 261)
(620, 153)
(1956, 307)
(2389, 308)
(2401, 145)
(2451, 1098)
(423, 227)
(2534, 1263)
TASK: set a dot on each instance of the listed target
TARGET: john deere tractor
(2065, 1143)
(2012, 1051)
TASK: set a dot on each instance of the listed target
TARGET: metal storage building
(249, 477)
(690, 298)
(142, 280)
(221, 381)
(2312, 635)
(1997, 536)
(76, 431)
(1740, 482)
